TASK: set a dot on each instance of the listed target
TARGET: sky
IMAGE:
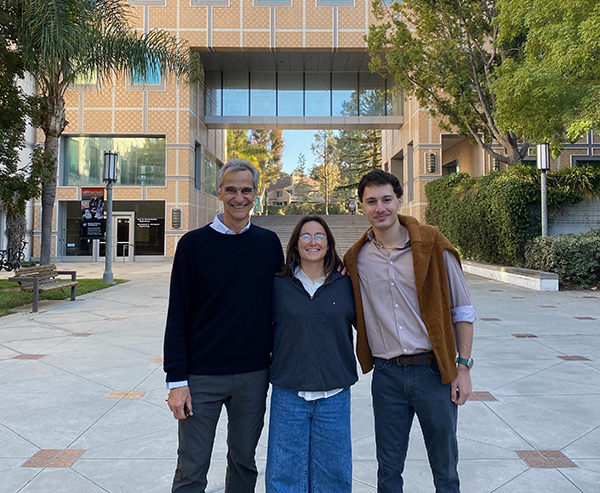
(296, 142)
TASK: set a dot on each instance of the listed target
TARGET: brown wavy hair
(331, 261)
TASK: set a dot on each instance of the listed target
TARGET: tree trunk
(16, 225)
(53, 122)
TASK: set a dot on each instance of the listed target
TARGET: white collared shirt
(311, 288)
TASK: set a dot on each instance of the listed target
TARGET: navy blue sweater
(218, 322)
(313, 348)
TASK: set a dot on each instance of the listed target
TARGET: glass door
(123, 224)
(123, 237)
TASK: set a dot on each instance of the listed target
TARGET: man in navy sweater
(218, 337)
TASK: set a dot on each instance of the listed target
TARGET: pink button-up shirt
(391, 307)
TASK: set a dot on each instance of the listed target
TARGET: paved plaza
(82, 406)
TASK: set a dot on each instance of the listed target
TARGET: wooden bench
(41, 278)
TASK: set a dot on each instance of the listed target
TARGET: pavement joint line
(88, 479)
(511, 479)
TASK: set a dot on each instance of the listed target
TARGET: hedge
(575, 258)
(491, 218)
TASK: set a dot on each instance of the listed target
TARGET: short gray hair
(238, 165)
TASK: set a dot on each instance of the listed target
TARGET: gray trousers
(244, 398)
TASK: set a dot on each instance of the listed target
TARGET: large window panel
(290, 92)
(212, 94)
(211, 171)
(345, 94)
(236, 94)
(141, 160)
(372, 94)
(263, 94)
(318, 94)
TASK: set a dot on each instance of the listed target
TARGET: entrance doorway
(123, 237)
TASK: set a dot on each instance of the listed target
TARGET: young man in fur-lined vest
(415, 327)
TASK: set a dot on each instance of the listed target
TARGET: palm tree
(65, 39)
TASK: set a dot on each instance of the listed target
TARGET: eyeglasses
(319, 237)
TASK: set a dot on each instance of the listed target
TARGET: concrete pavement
(82, 406)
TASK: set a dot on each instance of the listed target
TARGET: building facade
(288, 64)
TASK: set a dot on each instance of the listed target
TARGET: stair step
(346, 229)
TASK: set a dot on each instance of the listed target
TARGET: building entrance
(123, 237)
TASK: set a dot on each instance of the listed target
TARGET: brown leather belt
(422, 359)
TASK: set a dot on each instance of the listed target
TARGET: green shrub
(575, 258)
(490, 218)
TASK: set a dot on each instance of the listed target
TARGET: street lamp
(110, 176)
(543, 164)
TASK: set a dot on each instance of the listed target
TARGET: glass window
(75, 246)
(263, 94)
(198, 167)
(212, 94)
(211, 171)
(586, 161)
(345, 94)
(318, 94)
(235, 94)
(152, 77)
(141, 160)
(290, 93)
(372, 94)
(149, 225)
(89, 79)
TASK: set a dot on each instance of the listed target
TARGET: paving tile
(574, 358)
(482, 396)
(126, 394)
(29, 356)
(545, 459)
(42, 458)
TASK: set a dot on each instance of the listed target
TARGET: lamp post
(110, 176)
(543, 164)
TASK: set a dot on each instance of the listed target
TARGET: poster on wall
(93, 224)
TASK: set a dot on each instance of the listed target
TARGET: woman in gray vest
(313, 367)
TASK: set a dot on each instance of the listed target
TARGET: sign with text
(93, 224)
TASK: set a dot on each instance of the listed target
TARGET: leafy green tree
(445, 54)
(19, 181)
(62, 40)
(549, 91)
(300, 170)
(263, 148)
(327, 171)
(359, 153)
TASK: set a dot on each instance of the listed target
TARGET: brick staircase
(346, 229)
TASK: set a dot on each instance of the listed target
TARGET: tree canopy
(549, 90)
(445, 54)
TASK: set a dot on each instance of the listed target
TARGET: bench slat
(46, 278)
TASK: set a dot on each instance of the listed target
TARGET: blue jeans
(398, 393)
(310, 448)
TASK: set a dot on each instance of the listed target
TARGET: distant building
(293, 189)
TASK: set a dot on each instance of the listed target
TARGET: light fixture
(431, 162)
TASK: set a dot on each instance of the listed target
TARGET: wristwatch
(467, 362)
